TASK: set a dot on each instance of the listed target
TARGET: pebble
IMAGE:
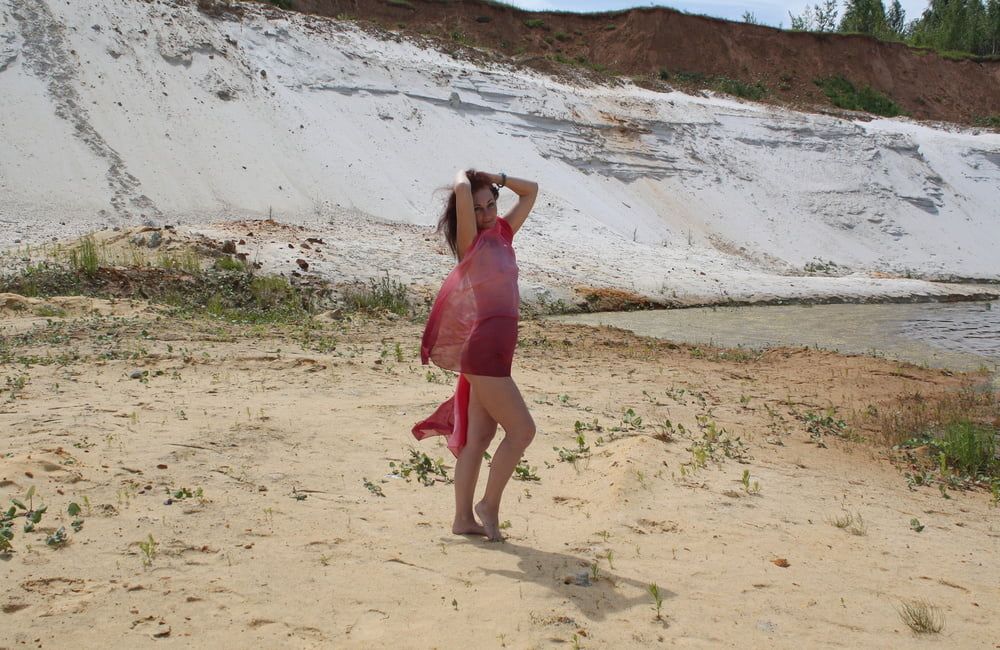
(136, 374)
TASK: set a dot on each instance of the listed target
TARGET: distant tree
(826, 16)
(958, 25)
(749, 17)
(865, 17)
(803, 22)
(817, 18)
(993, 28)
(895, 19)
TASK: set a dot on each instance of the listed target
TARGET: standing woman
(472, 329)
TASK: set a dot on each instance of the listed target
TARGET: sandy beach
(227, 479)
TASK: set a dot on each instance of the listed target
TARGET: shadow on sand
(608, 594)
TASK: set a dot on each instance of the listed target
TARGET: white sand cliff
(114, 114)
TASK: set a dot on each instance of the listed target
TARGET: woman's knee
(524, 434)
(481, 441)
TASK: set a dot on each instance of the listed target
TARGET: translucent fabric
(472, 327)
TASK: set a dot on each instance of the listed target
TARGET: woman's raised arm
(527, 192)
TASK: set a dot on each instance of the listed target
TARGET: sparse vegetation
(380, 295)
(571, 455)
(148, 548)
(843, 94)
(654, 591)
(827, 424)
(232, 294)
(921, 616)
(853, 523)
(421, 465)
(374, 489)
(748, 487)
(525, 472)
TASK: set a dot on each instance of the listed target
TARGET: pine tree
(896, 18)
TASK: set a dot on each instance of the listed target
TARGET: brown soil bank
(641, 42)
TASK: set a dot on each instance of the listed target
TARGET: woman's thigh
(502, 401)
(482, 427)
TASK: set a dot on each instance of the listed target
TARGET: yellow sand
(253, 417)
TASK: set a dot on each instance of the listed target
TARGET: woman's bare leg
(502, 400)
(482, 429)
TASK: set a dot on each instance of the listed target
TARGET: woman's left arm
(527, 192)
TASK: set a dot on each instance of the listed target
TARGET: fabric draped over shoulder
(472, 327)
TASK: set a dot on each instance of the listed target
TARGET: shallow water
(959, 336)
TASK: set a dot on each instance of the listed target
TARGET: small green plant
(921, 616)
(184, 493)
(421, 465)
(148, 548)
(73, 510)
(58, 538)
(228, 263)
(15, 385)
(524, 472)
(534, 23)
(915, 525)
(374, 489)
(399, 353)
(822, 425)
(567, 455)
(971, 448)
(404, 4)
(505, 524)
(654, 591)
(85, 257)
(749, 488)
(6, 534)
(595, 572)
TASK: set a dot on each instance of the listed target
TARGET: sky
(767, 12)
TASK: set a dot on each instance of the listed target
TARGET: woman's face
(486, 208)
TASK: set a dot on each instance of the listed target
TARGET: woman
(472, 329)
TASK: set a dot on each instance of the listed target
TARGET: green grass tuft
(843, 94)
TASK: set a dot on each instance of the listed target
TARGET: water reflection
(960, 336)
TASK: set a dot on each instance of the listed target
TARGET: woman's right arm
(466, 213)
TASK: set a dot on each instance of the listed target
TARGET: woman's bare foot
(491, 521)
(468, 527)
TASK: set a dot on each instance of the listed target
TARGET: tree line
(970, 26)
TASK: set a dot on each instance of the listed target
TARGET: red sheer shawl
(472, 327)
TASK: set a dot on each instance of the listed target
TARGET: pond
(958, 336)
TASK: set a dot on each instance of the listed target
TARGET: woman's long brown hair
(448, 223)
